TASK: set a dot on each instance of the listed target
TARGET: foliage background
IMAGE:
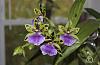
(24, 8)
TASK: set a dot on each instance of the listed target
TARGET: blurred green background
(24, 8)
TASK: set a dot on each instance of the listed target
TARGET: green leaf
(86, 29)
(76, 11)
(93, 12)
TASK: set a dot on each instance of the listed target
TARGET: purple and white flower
(36, 38)
(40, 18)
(68, 39)
(48, 49)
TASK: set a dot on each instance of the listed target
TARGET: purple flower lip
(36, 39)
(68, 39)
(48, 49)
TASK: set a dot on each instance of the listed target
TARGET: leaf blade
(76, 11)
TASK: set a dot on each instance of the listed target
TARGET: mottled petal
(48, 49)
(36, 39)
(68, 39)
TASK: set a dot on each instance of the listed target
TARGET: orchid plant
(57, 40)
(48, 37)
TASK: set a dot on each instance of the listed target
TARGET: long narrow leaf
(75, 11)
(93, 12)
(86, 29)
